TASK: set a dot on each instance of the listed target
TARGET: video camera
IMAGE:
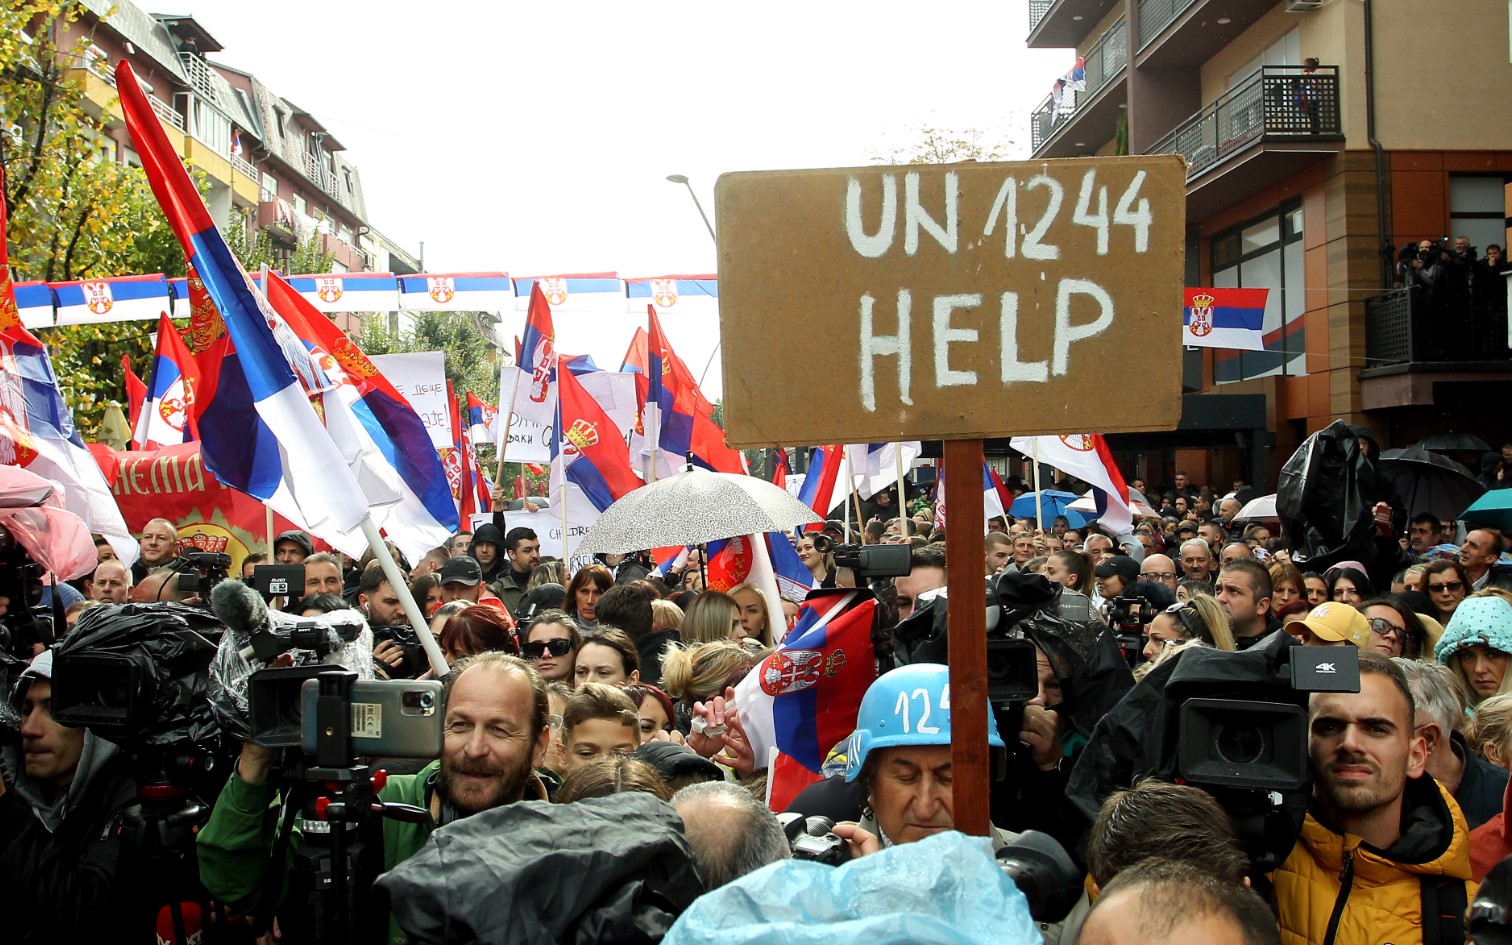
(1128, 616)
(868, 561)
(1232, 723)
(27, 620)
(200, 571)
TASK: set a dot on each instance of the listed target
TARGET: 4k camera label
(367, 720)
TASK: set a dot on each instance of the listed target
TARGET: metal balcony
(1405, 327)
(1105, 62)
(1173, 34)
(1275, 123)
(200, 77)
(1064, 24)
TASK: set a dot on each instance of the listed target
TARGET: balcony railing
(1102, 61)
(1278, 102)
(166, 112)
(247, 170)
(1037, 11)
(200, 76)
(1405, 326)
(1156, 15)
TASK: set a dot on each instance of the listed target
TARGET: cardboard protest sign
(951, 301)
(421, 378)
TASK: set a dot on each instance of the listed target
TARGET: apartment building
(268, 164)
(1321, 136)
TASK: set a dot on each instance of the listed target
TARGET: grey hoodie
(94, 758)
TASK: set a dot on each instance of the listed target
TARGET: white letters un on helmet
(908, 706)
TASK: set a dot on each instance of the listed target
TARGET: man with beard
(496, 734)
(1384, 850)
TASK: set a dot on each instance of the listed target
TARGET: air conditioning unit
(1304, 6)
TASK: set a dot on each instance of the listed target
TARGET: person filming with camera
(63, 791)
(496, 732)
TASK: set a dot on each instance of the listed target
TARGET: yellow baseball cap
(1338, 623)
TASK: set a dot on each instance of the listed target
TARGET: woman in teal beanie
(1476, 644)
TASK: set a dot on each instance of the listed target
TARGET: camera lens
(1240, 744)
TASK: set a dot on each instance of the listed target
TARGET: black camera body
(814, 839)
(868, 561)
(200, 571)
(415, 661)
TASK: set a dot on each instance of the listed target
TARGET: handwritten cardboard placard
(958, 301)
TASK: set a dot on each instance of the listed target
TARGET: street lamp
(683, 179)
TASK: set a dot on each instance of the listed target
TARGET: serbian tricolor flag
(1224, 318)
(532, 388)
(456, 292)
(349, 291)
(35, 302)
(1087, 457)
(462, 465)
(167, 416)
(802, 700)
(1076, 78)
(258, 432)
(593, 452)
(818, 490)
(685, 418)
(36, 427)
(386, 443)
(480, 420)
(124, 298)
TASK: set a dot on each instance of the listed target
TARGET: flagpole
(401, 590)
(1039, 499)
(562, 488)
(904, 520)
(262, 275)
(514, 391)
(651, 439)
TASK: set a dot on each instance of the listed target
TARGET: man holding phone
(496, 732)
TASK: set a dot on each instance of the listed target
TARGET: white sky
(535, 138)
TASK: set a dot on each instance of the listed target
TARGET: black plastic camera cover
(1325, 499)
(145, 665)
(605, 869)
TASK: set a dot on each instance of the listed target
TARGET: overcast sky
(536, 138)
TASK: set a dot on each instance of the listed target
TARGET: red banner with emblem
(173, 483)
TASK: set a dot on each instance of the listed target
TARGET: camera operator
(1384, 852)
(905, 770)
(64, 788)
(496, 734)
(381, 605)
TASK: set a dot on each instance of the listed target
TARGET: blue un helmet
(908, 706)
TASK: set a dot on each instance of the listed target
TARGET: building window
(1477, 209)
(269, 187)
(1265, 254)
(211, 126)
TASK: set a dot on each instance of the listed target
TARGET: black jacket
(1482, 785)
(65, 882)
(490, 533)
(649, 647)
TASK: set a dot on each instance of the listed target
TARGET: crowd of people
(620, 677)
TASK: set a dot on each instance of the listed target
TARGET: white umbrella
(692, 507)
(1257, 510)
(1088, 503)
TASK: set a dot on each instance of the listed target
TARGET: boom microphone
(241, 609)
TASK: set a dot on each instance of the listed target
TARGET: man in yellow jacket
(1384, 852)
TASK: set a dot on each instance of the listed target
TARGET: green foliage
(1121, 133)
(256, 251)
(471, 360)
(930, 145)
(74, 213)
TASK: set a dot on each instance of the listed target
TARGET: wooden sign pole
(967, 613)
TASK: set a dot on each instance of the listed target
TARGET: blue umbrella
(1492, 510)
(1052, 502)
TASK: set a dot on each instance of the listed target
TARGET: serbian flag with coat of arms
(167, 415)
(1087, 457)
(802, 700)
(1224, 318)
(592, 449)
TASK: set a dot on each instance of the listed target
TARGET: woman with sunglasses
(1201, 618)
(1446, 585)
(552, 644)
(1395, 630)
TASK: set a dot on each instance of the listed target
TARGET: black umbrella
(1453, 441)
(1427, 482)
